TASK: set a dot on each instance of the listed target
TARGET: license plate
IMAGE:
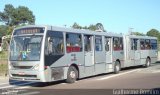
(21, 73)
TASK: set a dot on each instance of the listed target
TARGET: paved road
(130, 78)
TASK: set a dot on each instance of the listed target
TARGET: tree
(25, 16)
(76, 26)
(8, 14)
(138, 33)
(16, 16)
(90, 27)
(3, 29)
(99, 26)
(154, 33)
(13, 17)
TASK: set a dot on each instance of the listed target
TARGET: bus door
(108, 49)
(89, 52)
(89, 55)
(135, 51)
(99, 56)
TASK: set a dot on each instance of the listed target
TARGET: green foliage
(3, 55)
(76, 26)
(16, 16)
(3, 68)
(8, 14)
(3, 29)
(90, 27)
(13, 17)
(6, 44)
(138, 33)
(25, 15)
(154, 33)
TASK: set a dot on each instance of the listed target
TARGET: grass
(3, 55)
(3, 63)
(3, 69)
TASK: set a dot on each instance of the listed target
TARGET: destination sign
(28, 31)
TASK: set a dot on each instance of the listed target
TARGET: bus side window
(153, 44)
(142, 43)
(73, 42)
(121, 44)
(134, 44)
(107, 44)
(98, 43)
(87, 43)
(117, 44)
(50, 44)
(147, 44)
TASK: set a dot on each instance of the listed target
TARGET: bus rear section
(140, 50)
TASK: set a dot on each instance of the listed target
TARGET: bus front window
(25, 48)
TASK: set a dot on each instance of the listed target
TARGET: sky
(117, 16)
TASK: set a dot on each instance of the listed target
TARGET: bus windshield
(25, 48)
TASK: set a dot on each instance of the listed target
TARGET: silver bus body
(96, 53)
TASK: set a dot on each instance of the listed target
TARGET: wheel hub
(72, 74)
(117, 67)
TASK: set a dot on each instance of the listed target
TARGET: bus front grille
(22, 67)
(30, 76)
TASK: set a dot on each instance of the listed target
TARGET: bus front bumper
(26, 75)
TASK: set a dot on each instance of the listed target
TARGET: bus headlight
(36, 67)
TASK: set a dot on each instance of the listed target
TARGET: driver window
(54, 43)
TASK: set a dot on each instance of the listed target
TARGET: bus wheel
(72, 75)
(148, 62)
(117, 67)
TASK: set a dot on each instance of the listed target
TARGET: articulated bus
(49, 53)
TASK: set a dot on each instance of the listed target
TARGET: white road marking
(16, 85)
(63, 83)
(30, 93)
(108, 77)
(24, 87)
(156, 72)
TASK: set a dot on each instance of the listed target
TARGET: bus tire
(148, 62)
(117, 67)
(72, 75)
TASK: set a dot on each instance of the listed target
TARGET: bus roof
(85, 31)
(141, 37)
(71, 30)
